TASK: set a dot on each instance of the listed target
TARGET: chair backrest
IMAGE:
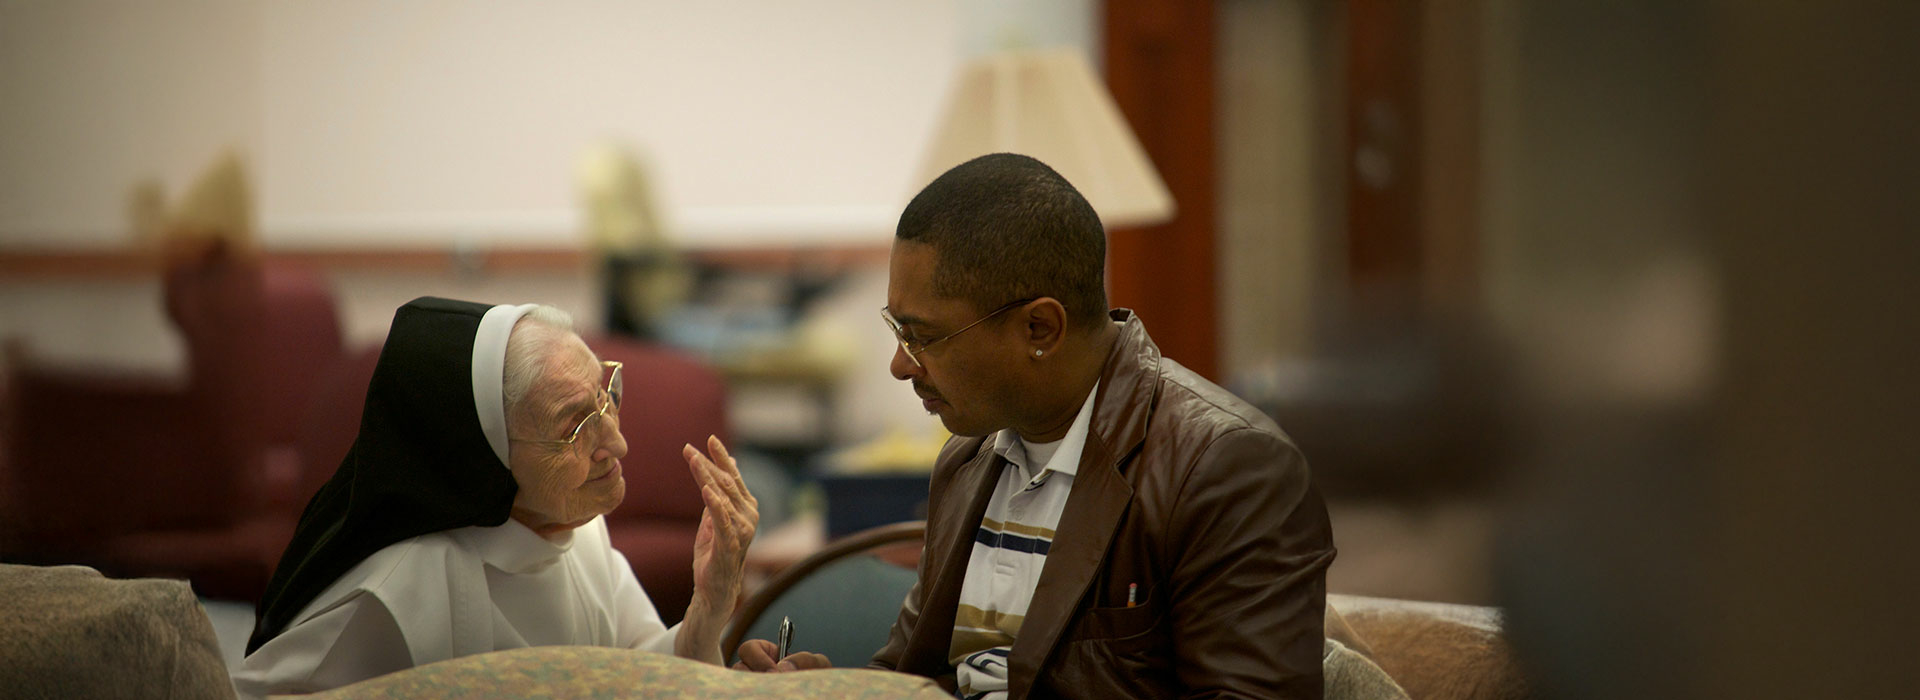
(302, 333)
(256, 333)
(93, 454)
(331, 422)
(842, 600)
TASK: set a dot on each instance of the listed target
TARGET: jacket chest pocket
(1124, 603)
(1117, 652)
(1121, 628)
(1114, 623)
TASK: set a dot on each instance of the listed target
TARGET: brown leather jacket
(1183, 489)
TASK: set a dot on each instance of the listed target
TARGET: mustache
(924, 391)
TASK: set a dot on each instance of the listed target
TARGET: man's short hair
(1006, 227)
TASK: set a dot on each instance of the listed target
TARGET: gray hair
(527, 348)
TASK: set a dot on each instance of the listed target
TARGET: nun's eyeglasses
(609, 407)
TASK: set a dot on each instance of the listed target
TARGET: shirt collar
(1066, 460)
(514, 548)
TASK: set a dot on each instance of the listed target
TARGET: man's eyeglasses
(609, 407)
(915, 347)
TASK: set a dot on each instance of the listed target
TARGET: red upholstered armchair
(671, 400)
(141, 477)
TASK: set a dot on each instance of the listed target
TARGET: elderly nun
(467, 517)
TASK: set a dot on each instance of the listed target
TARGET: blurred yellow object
(897, 450)
(827, 343)
(621, 214)
(645, 273)
(218, 208)
(815, 353)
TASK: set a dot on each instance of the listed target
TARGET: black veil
(422, 462)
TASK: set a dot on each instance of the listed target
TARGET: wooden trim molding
(135, 263)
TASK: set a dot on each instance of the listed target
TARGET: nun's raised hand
(727, 526)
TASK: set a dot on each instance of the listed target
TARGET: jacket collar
(926, 651)
(1128, 392)
(1125, 400)
(1130, 386)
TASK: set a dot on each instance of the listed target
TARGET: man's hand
(719, 549)
(757, 655)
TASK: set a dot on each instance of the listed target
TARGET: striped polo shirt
(1009, 552)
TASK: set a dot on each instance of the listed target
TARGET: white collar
(1066, 460)
(515, 548)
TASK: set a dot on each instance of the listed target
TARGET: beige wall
(99, 94)
(365, 122)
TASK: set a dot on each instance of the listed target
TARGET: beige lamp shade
(219, 205)
(1048, 104)
(617, 199)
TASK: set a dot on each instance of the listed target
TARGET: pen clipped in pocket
(1123, 620)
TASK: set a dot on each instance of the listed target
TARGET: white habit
(455, 593)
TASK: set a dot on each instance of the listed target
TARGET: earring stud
(1038, 353)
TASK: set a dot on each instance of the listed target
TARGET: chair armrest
(99, 452)
(1442, 651)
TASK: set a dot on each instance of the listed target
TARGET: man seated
(1104, 523)
(467, 517)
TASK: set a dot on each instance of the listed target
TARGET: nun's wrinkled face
(565, 486)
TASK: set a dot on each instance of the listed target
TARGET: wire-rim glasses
(915, 347)
(609, 406)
